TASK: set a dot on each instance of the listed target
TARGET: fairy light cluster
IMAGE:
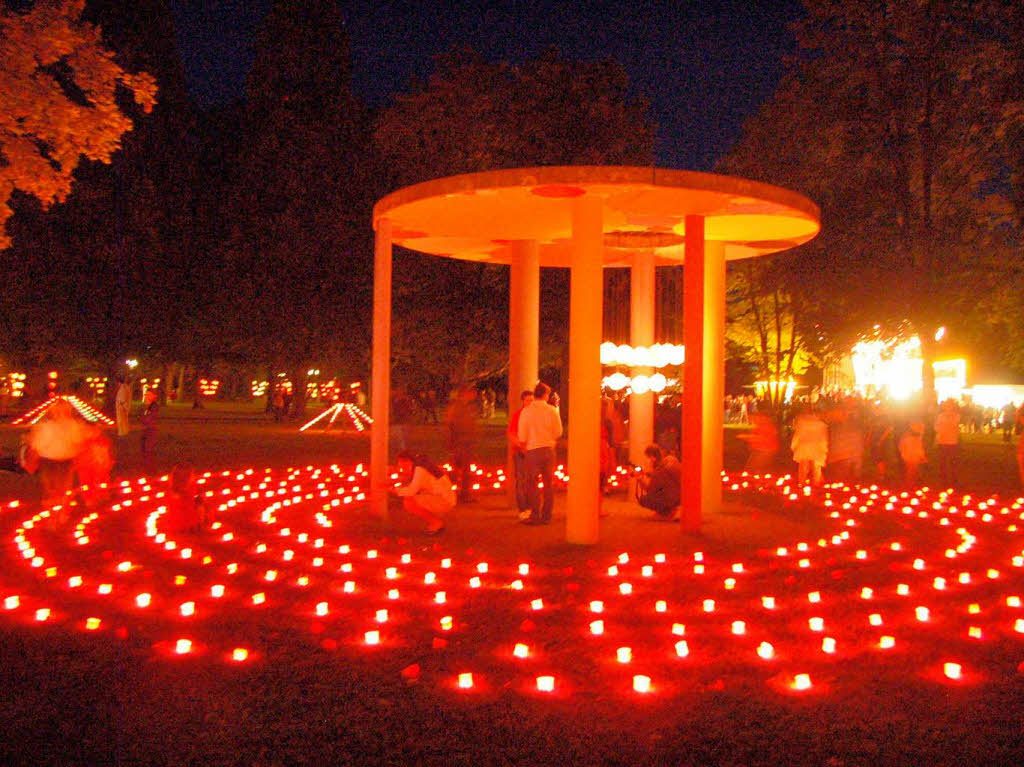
(323, 390)
(149, 383)
(924, 584)
(656, 356)
(208, 387)
(97, 385)
(17, 384)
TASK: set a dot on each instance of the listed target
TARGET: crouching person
(428, 491)
(186, 512)
(659, 487)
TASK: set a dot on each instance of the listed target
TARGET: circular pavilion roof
(479, 216)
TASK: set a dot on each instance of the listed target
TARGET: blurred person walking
(881, 442)
(401, 417)
(912, 452)
(763, 441)
(54, 442)
(461, 424)
(92, 466)
(947, 442)
(845, 444)
(148, 419)
(809, 446)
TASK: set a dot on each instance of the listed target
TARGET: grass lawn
(312, 691)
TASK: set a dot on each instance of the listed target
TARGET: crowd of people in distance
(850, 439)
(831, 435)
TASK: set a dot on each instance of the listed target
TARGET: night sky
(704, 66)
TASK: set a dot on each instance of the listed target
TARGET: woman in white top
(427, 492)
(809, 446)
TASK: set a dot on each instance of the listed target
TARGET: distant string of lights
(208, 387)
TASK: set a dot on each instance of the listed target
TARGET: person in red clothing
(947, 442)
(519, 455)
(185, 512)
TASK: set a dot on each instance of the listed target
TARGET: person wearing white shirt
(540, 426)
(428, 491)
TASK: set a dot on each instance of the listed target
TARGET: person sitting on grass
(428, 491)
(660, 485)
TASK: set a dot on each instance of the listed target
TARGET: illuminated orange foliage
(58, 85)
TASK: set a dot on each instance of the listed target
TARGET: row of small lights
(347, 494)
(84, 409)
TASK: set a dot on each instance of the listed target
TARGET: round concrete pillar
(586, 297)
(380, 381)
(641, 333)
(703, 374)
(523, 330)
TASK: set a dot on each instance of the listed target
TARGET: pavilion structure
(586, 218)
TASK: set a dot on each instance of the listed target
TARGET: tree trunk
(182, 372)
(197, 395)
(299, 392)
(927, 371)
(272, 385)
(166, 384)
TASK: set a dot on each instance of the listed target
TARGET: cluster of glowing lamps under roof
(655, 356)
(797, 616)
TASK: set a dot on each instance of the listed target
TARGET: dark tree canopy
(887, 119)
(474, 115)
(59, 89)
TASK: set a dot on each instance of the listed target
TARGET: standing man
(122, 404)
(539, 428)
(519, 456)
(150, 411)
(460, 420)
